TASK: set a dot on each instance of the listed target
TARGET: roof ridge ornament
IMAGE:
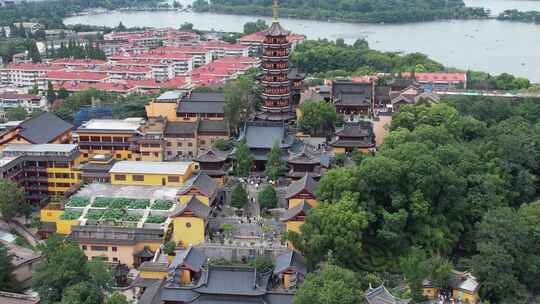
(275, 10)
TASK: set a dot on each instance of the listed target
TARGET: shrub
(162, 204)
(94, 214)
(71, 215)
(139, 204)
(78, 201)
(101, 202)
(155, 219)
(113, 214)
(132, 217)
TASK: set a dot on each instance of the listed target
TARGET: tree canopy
(239, 197)
(12, 201)
(318, 118)
(267, 197)
(275, 165)
(442, 169)
(7, 278)
(242, 159)
(64, 275)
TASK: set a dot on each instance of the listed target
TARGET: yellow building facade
(148, 173)
(189, 223)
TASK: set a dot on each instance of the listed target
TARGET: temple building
(304, 162)
(215, 163)
(276, 93)
(190, 279)
(354, 100)
(354, 137)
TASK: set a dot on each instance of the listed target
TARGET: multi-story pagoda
(276, 93)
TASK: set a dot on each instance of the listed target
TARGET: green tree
(335, 230)
(12, 202)
(221, 144)
(186, 26)
(64, 275)
(275, 165)
(17, 113)
(239, 197)
(262, 263)
(268, 197)
(7, 279)
(240, 95)
(242, 159)
(120, 27)
(63, 93)
(51, 95)
(318, 118)
(253, 27)
(35, 90)
(169, 247)
(330, 285)
(117, 298)
(33, 51)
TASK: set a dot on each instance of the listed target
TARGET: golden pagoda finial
(275, 10)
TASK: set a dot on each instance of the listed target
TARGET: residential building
(107, 136)
(44, 128)
(43, 170)
(26, 75)
(60, 77)
(182, 64)
(30, 103)
(201, 56)
(440, 80)
(117, 244)
(149, 143)
(96, 169)
(181, 140)
(152, 173)
(210, 131)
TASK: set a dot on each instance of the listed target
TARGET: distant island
(362, 11)
(515, 15)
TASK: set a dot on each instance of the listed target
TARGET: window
(156, 154)
(118, 156)
(98, 248)
(168, 144)
(114, 248)
(119, 177)
(115, 259)
(138, 178)
(173, 179)
(188, 225)
(179, 144)
(203, 142)
(83, 138)
(190, 144)
(169, 153)
(84, 247)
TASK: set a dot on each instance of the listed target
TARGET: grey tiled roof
(213, 126)
(276, 30)
(303, 207)
(202, 96)
(292, 261)
(381, 295)
(192, 258)
(43, 128)
(233, 280)
(204, 183)
(180, 128)
(264, 134)
(201, 107)
(307, 182)
(195, 206)
(213, 155)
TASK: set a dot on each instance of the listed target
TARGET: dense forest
(454, 183)
(331, 59)
(373, 11)
(51, 12)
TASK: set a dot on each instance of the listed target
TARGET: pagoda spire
(275, 10)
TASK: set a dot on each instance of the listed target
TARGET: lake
(486, 45)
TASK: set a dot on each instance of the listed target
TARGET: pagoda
(276, 95)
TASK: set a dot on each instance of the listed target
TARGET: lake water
(486, 45)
